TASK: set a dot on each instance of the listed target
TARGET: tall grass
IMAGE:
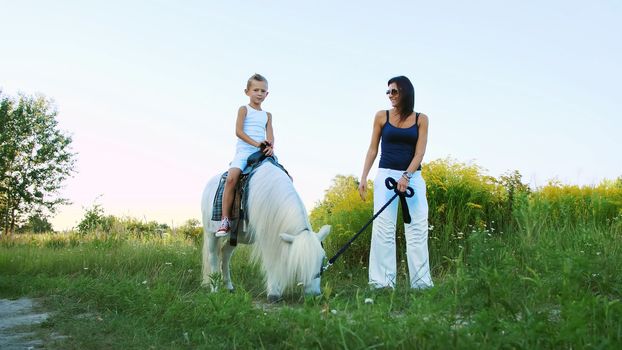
(555, 289)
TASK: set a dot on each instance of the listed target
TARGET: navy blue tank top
(398, 145)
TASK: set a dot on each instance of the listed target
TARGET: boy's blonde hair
(256, 77)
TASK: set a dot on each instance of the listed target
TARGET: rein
(392, 185)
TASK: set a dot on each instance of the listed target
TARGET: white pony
(279, 229)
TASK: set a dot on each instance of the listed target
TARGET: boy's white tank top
(255, 127)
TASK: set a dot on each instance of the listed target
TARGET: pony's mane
(274, 208)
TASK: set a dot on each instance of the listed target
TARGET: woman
(404, 135)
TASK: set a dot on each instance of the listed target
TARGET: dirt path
(18, 320)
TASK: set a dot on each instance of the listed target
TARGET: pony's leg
(210, 260)
(227, 252)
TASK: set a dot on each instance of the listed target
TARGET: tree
(36, 224)
(35, 159)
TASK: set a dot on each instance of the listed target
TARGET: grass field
(548, 289)
(514, 268)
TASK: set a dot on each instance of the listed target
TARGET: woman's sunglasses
(393, 92)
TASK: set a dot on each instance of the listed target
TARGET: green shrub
(137, 228)
(95, 220)
(191, 229)
(569, 206)
(343, 208)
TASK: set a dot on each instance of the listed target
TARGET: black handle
(392, 185)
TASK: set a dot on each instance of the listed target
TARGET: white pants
(382, 255)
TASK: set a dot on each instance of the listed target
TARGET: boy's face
(257, 91)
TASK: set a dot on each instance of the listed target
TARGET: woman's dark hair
(407, 95)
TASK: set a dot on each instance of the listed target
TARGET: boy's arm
(269, 131)
(269, 149)
(239, 128)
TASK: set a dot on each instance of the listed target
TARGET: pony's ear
(287, 237)
(324, 231)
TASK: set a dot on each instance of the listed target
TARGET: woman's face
(394, 94)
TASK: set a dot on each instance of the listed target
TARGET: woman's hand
(402, 184)
(363, 189)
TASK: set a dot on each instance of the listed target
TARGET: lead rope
(392, 185)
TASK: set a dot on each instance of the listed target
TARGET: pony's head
(306, 256)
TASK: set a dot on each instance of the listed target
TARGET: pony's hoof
(231, 290)
(274, 299)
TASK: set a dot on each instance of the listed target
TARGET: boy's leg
(227, 200)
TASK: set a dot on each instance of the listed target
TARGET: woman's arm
(422, 142)
(372, 152)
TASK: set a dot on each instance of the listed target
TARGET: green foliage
(462, 200)
(139, 228)
(558, 206)
(515, 189)
(343, 208)
(35, 159)
(191, 229)
(36, 224)
(572, 206)
(95, 221)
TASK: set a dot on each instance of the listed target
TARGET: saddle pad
(237, 200)
(238, 210)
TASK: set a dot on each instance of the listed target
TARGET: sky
(149, 90)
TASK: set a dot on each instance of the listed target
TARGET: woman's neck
(395, 111)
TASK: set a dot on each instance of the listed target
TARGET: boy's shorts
(240, 158)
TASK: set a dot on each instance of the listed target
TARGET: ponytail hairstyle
(406, 104)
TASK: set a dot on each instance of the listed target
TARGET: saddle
(238, 210)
